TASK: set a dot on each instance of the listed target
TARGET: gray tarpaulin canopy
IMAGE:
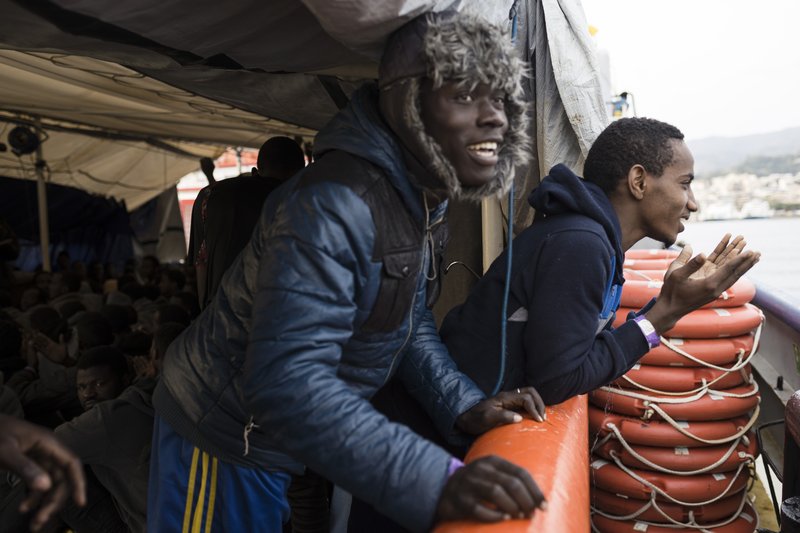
(130, 94)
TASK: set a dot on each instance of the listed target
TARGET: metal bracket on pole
(41, 196)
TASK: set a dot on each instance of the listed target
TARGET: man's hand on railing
(489, 489)
(501, 410)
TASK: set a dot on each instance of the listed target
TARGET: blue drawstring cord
(509, 248)
(506, 290)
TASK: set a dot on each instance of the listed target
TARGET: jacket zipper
(416, 291)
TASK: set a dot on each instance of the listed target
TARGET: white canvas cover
(236, 72)
(126, 110)
(569, 111)
(126, 170)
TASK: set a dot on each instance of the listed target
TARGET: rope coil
(656, 489)
(741, 363)
(691, 524)
(615, 433)
(650, 400)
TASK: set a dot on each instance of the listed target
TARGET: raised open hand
(724, 252)
(55, 351)
(691, 282)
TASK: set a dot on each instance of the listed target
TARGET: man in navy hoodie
(567, 276)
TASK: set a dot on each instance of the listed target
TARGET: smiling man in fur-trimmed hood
(332, 297)
(426, 56)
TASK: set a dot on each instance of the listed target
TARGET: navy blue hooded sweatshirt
(565, 286)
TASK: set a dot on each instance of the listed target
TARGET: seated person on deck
(566, 276)
(113, 435)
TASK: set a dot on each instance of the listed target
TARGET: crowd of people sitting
(81, 348)
(80, 351)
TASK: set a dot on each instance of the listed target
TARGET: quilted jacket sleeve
(320, 246)
(430, 375)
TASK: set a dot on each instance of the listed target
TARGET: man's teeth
(490, 147)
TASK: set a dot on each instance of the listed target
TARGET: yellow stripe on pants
(198, 510)
(187, 513)
(213, 494)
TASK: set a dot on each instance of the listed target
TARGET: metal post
(492, 230)
(41, 195)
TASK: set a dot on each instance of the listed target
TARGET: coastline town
(736, 196)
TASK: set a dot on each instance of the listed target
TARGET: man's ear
(637, 181)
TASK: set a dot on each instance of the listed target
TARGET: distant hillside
(765, 165)
(716, 155)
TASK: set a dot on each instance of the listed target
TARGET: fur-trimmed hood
(453, 47)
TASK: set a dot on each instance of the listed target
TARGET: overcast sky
(709, 67)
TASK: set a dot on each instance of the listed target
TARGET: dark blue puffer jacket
(283, 345)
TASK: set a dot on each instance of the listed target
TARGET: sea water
(778, 240)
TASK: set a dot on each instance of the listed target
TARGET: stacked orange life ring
(672, 445)
(708, 323)
(663, 433)
(644, 484)
(650, 253)
(711, 459)
(704, 405)
(745, 521)
(706, 353)
(641, 286)
(647, 264)
(648, 377)
(704, 513)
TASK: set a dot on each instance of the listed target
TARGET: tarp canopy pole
(41, 195)
(152, 140)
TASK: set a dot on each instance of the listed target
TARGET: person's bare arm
(207, 166)
(49, 470)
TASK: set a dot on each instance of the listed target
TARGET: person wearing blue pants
(332, 297)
